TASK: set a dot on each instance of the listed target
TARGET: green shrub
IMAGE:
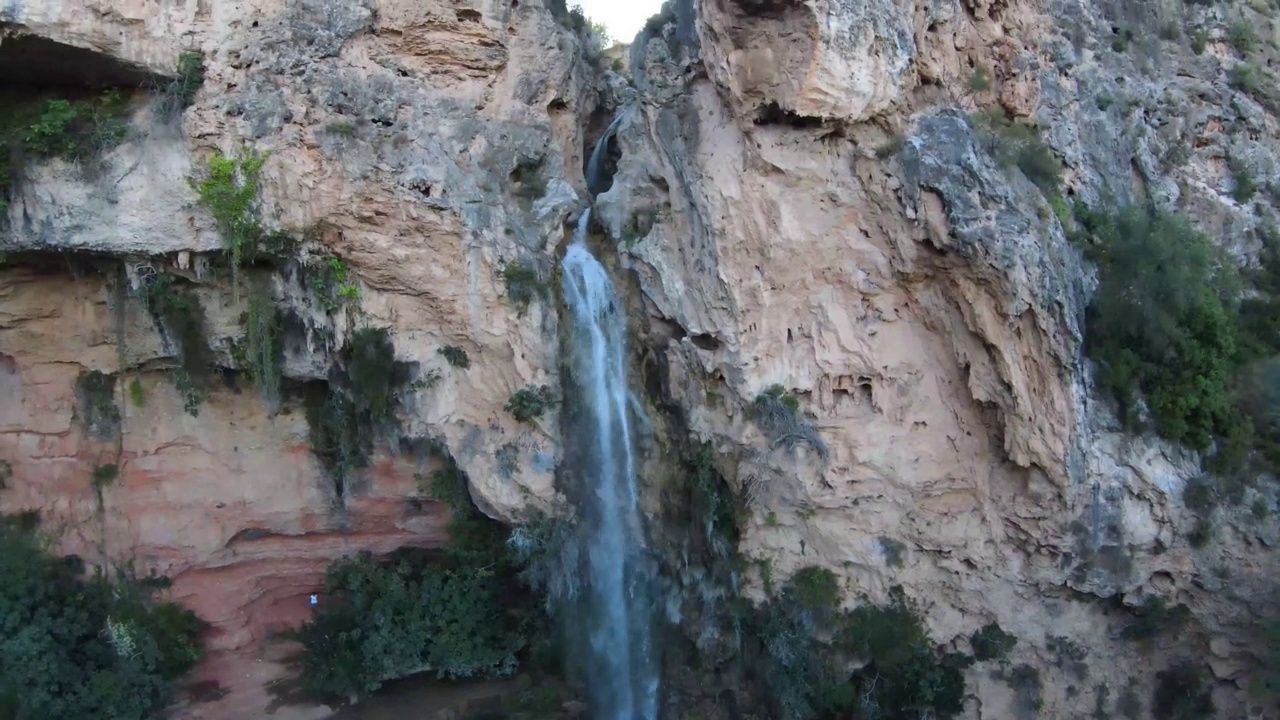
(77, 649)
(777, 413)
(74, 130)
(190, 77)
(530, 403)
(1245, 78)
(386, 621)
(264, 349)
(1018, 145)
(806, 649)
(524, 285)
(894, 551)
(96, 407)
(455, 356)
(1161, 324)
(461, 616)
(229, 189)
(814, 588)
(1201, 534)
(358, 404)
(330, 283)
(1199, 494)
(1243, 186)
(1027, 688)
(181, 318)
(104, 475)
(1199, 41)
(344, 128)
(991, 642)
(1260, 509)
(1155, 618)
(137, 395)
(980, 80)
(1182, 693)
(1242, 37)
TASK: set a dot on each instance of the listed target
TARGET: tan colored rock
(816, 213)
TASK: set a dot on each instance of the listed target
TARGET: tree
(82, 649)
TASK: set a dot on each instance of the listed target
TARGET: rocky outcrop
(429, 147)
(803, 199)
(920, 299)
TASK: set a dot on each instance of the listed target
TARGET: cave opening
(36, 64)
(59, 100)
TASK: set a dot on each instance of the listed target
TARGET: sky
(624, 18)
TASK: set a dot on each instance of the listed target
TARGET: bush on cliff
(1172, 327)
(406, 616)
(73, 648)
(807, 642)
(458, 615)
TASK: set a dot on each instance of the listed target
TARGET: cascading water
(622, 674)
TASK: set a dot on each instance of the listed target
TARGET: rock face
(801, 199)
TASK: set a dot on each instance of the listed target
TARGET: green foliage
(342, 127)
(385, 621)
(714, 509)
(1265, 682)
(1243, 186)
(980, 80)
(1242, 37)
(1120, 43)
(229, 190)
(1260, 508)
(815, 589)
(74, 130)
(1201, 534)
(1182, 693)
(777, 413)
(455, 356)
(1199, 41)
(1161, 324)
(76, 649)
(1245, 78)
(991, 642)
(137, 395)
(263, 341)
(530, 403)
(357, 405)
(1155, 618)
(806, 647)
(460, 616)
(894, 551)
(523, 282)
(331, 283)
(181, 317)
(180, 92)
(96, 406)
(527, 180)
(104, 475)
(190, 77)
(1017, 145)
(1027, 687)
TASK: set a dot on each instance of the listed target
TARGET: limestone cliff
(801, 199)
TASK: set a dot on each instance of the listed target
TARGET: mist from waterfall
(622, 672)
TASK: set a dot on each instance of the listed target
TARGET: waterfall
(622, 674)
(595, 179)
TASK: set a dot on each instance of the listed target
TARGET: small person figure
(314, 599)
